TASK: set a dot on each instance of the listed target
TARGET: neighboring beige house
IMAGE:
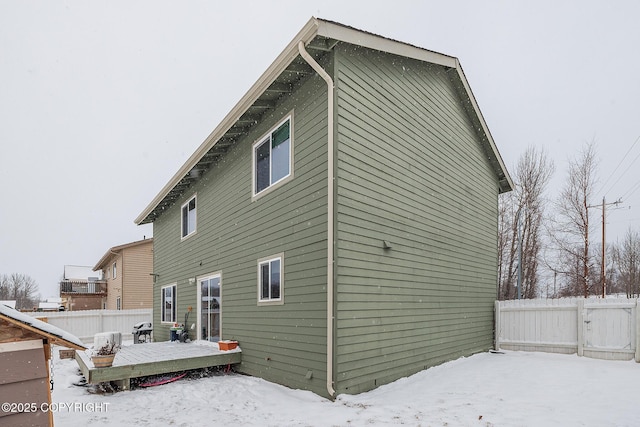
(127, 270)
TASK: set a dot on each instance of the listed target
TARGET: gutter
(330, 211)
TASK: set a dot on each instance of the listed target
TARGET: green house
(341, 221)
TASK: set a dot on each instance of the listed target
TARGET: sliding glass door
(209, 308)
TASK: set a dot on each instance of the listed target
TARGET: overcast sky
(102, 102)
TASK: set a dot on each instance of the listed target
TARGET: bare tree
(21, 288)
(626, 257)
(596, 277)
(521, 216)
(506, 246)
(572, 228)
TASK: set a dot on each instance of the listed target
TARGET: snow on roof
(49, 305)
(49, 330)
(8, 303)
(78, 272)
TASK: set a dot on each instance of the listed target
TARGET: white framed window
(273, 157)
(188, 222)
(114, 271)
(271, 280)
(118, 304)
(168, 303)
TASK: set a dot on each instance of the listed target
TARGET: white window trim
(114, 270)
(195, 228)
(261, 261)
(258, 142)
(199, 304)
(175, 298)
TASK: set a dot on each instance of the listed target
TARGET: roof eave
(354, 36)
(505, 182)
(308, 32)
(103, 261)
(115, 250)
(331, 30)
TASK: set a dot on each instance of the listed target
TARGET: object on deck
(173, 332)
(103, 338)
(227, 345)
(183, 336)
(179, 332)
(142, 332)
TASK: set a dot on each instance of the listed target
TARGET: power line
(603, 271)
(618, 166)
(625, 171)
(632, 190)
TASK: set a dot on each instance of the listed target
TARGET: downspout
(330, 211)
(121, 278)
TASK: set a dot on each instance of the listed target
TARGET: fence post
(497, 326)
(580, 325)
(637, 310)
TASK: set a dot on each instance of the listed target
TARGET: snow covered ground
(510, 389)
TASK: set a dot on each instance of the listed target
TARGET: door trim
(199, 302)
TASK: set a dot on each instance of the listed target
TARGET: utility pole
(519, 255)
(603, 266)
(603, 271)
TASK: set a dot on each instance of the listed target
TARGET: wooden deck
(140, 360)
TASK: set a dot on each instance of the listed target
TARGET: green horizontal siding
(280, 343)
(411, 171)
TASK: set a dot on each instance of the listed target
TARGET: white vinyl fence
(86, 323)
(597, 328)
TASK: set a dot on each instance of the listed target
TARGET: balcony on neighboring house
(83, 287)
(83, 294)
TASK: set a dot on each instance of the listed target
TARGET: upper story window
(272, 158)
(189, 217)
(114, 271)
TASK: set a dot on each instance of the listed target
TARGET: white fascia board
(485, 128)
(373, 41)
(307, 33)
